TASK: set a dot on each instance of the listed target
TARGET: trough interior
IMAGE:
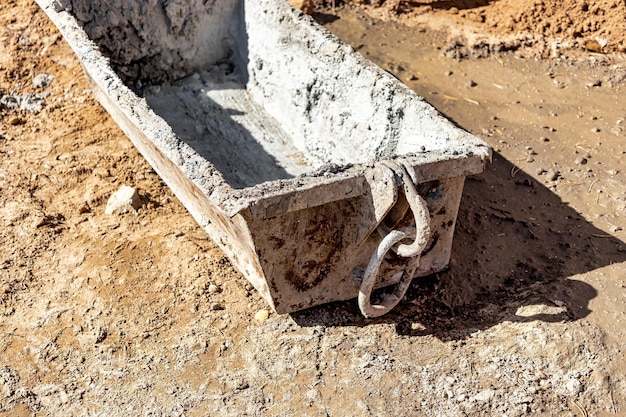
(257, 88)
(215, 115)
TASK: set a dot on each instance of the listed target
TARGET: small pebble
(448, 73)
(580, 161)
(485, 396)
(101, 172)
(14, 121)
(471, 83)
(553, 175)
(42, 80)
(544, 139)
(124, 200)
(574, 386)
(84, 209)
(594, 83)
(595, 129)
(213, 289)
(217, 306)
(262, 315)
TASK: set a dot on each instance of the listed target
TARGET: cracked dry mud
(142, 314)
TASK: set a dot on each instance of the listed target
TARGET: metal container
(320, 175)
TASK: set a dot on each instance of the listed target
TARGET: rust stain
(322, 244)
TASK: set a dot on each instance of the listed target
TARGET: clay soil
(141, 313)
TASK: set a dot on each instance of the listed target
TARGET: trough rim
(260, 201)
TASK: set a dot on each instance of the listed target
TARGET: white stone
(573, 386)
(123, 200)
(485, 396)
(262, 315)
(42, 80)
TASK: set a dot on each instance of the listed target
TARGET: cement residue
(29, 102)
(332, 101)
(156, 40)
(214, 114)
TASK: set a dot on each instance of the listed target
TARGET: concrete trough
(320, 175)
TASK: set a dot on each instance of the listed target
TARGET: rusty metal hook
(392, 239)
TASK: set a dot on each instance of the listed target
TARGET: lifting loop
(392, 241)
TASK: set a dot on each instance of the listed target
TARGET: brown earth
(598, 26)
(141, 313)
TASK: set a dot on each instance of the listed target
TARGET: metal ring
(422, 233)
(369, 279)
(419, 208)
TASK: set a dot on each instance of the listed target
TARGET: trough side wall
(338, 106)
(157, 40)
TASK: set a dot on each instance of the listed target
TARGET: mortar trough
(320, 175)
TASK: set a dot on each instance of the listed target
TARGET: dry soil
(141, 313)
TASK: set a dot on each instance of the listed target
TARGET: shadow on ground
(517, 246)
(324, 18)
(406, 5)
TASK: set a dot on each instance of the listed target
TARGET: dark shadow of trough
(449, 4)
(517, 246)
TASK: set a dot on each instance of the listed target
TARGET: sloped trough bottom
(312, 168)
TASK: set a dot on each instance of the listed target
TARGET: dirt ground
(141, 313)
